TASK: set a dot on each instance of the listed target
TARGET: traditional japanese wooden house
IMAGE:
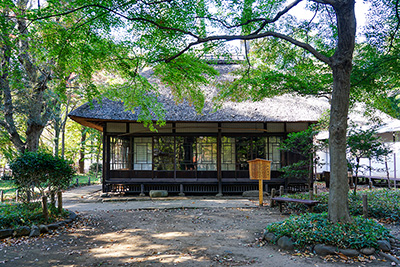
(196, 153)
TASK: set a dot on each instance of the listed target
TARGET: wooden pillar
(311, 193)
(44, 209)
(181, 193)
(219, 160)
(59, 201)
(281, 190)
(365, 205)
(2, 196)
(315, 189)
(273, 192)
(260, 192)
(105, 166)
(142, 190)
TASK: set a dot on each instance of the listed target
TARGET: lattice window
(119, 149)
(207, 153)
(274, 152)
(164, 153)
(186, 153)
(228, 157)
(142, 153)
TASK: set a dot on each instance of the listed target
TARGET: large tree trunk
(341, 65)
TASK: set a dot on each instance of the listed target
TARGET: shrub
(42, 171)
(312, 228)
(25, 214)
(382, 203)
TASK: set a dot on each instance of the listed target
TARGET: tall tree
(21, 78)
(168, 36)
(37, 59)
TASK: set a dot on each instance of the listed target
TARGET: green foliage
(382, 204)
(364, 144)
(277, 73)
(298, 170)
(311, 228)
(95, 167)
(26, 214)
(185, 75)
(302, 144)
(41, 170)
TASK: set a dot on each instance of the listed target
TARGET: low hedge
(312, 228)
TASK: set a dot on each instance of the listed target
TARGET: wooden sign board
(260, 169)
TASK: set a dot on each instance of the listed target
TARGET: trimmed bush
(42, 171)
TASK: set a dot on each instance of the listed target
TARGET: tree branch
(279, 15)
(325, 2)
(120, 15)
(300, 44)
(265, 21)
(393, 35)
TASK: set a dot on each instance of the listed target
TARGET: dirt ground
(168, 237)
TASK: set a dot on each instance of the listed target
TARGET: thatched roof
(286, 108)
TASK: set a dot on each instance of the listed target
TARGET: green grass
(8, 187)
(383, 204)
(83, 179)
(312, 228)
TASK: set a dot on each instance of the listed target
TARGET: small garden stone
(367, 251)
(72, 215)
(285, 243)
(35, 231)
(6, 233)
(384, 245)
(158, 193)
(22, 231)
(43, 229)
(53, 226)
(323, 250)
(350, 252)
(270, 237)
